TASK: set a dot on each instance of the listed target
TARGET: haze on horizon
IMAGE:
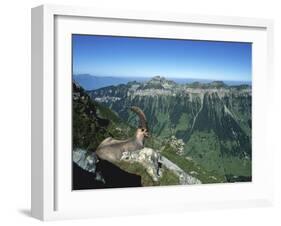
(147, 57)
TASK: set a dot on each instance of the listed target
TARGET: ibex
(112, 150)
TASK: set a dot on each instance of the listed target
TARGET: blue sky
(148, 57)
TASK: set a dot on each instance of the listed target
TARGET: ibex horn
(139, 112)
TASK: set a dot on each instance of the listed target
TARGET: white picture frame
(52, 197)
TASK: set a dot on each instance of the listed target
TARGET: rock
(152, 161)
(184, 177)
(86, 160)
(91, 173)
(148, 158)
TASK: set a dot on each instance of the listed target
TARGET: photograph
(149, 111)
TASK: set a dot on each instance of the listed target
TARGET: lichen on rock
(148, 158)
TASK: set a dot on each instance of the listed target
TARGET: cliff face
(213, 120)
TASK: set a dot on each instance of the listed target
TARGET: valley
(213, 120)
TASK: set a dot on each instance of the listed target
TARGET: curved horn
(139, 112)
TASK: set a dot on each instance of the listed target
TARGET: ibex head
(142, 131)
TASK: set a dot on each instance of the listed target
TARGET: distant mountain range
(91, 82)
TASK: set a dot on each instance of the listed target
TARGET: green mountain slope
(213, 120)
(92, 123)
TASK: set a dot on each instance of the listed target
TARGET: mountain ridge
(92, 82)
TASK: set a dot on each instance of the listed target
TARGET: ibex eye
(142, 130)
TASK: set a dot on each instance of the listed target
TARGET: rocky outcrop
(89, 172)
(88, 162)
(155, 164)
(184, 178)
(148, 158)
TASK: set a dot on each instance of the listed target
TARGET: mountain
(91, 82)
(92, 122)
(213, 119)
